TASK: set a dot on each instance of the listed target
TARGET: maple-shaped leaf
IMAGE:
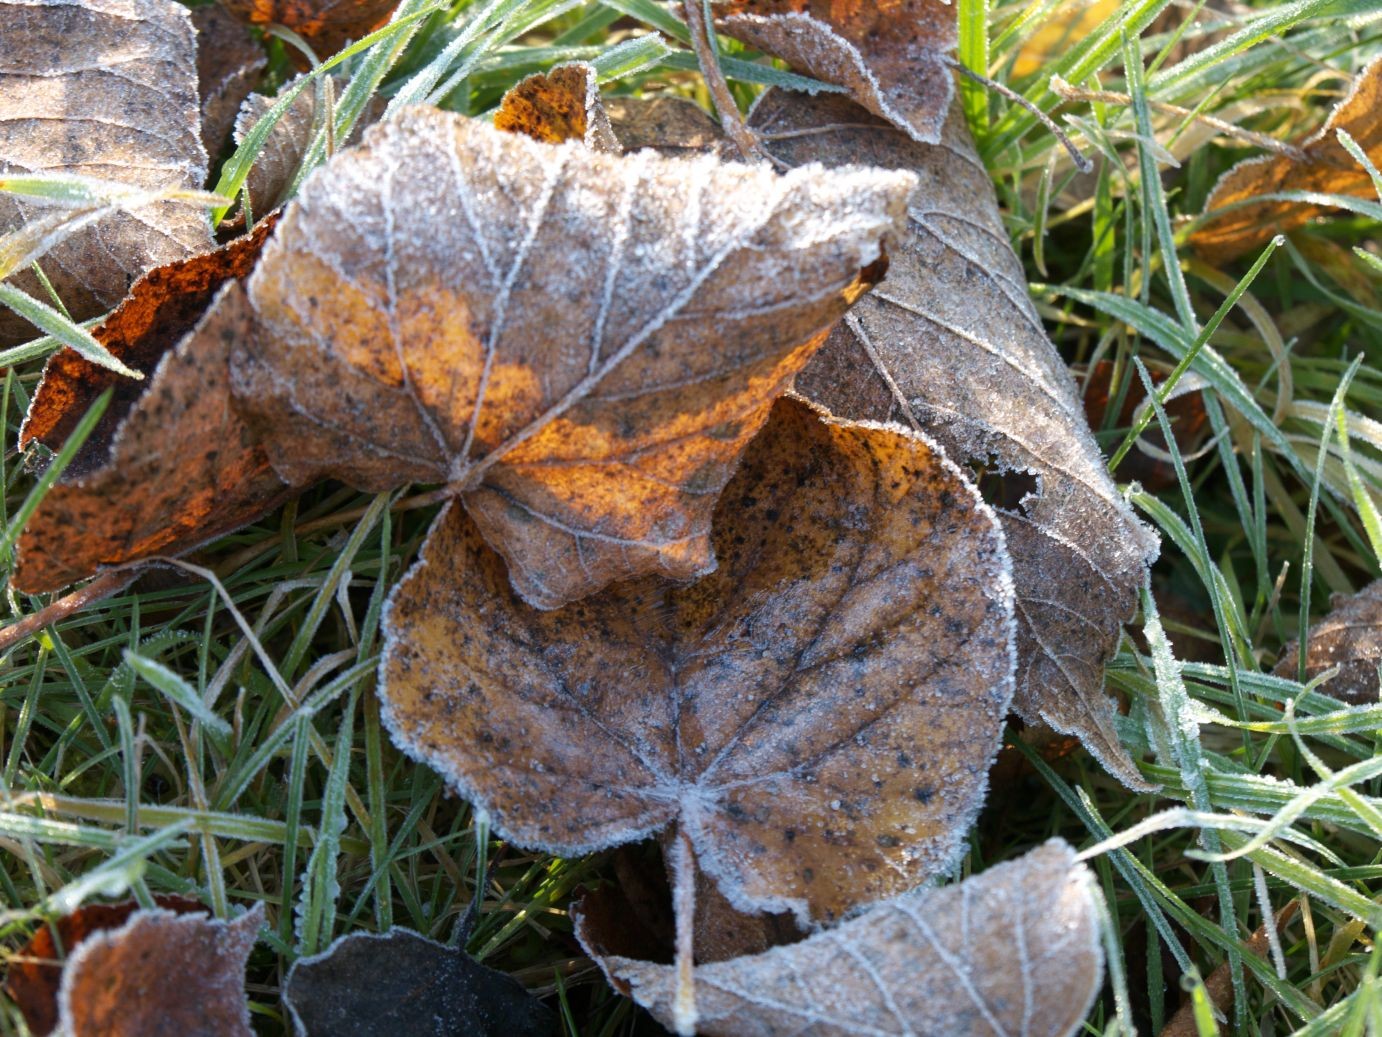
(400, 982)
(580, 345)
(950, 343)
(33, 976)
(1013, 950)
(1350, 637)
(559, 105)
(326, 25)
(1246, 208)
(817, 716)
(171, 465)
(64, 110)
(229, 64)
(889, 54)
(168, 970)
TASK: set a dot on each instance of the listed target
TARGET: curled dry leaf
(230, 62)
(400, 982)
(951, 344)
(1250, 219)
(1350, 637)
(171, 466)
(670, 124)
(889, 54)
(579, 344)
(560, 105)
(1014, 950)
(58, 68)
(326, 25)
(34, 975)
(817, 716)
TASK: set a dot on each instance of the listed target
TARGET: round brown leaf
(889, 54)
(580, 344)
(1350, 637)
(1014, 950)
(670, 124)
(556, 106)
(950, 343)
(64, 109)
(818, 715)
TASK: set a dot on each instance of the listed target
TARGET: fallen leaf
(1014, 950)
(889, 54)
(326, 25)
(175, 467)
(1250, 220)
(230, 62)
(670, 124)
(579, 344)
(950, 343)
(559, 105)
(817, 716)
(34, 974)
(1149, 463)
(400, 982)
(1350, 637)
(59, 57)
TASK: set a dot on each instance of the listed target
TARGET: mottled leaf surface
(160, 974)
(1011, 952)
(579, 344)
(818, 715)
(1249, 220)
(105, 89)
(560, 105)
(670, 124)
(326, 25)
(401, 983)
(950, 343)
(889, 54)
(1350, 637)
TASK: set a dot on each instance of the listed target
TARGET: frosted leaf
(818, 716)
(160, 973)
(579, 344)
(559, 105)
(1350, 637)
(326, 25)
(400, 982)
(230, 62)
(171, 466)
(104, 89)
(951, 344)
(889, 54)
(670, 124)
(1323, 166)
(1011, 952)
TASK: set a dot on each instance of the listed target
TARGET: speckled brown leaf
(951, 344)
(579, 344)
(181, 469)
(560, 105)
(33, 975)
(817, 716)
(1325, 167)
(160, 974)
(401, 983)
(105, 89)
(670, 124)
(326, 25)
(889, 54)
(1012, 951)
(1350, 637)
(229, 64)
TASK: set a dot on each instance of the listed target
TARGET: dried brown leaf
(230, 62)
(559, 105)
(889, 54)
(818, 715)
(1350, 637)
(579, 344)
(670, 124)
(326, 25)
(1326, 168)
(951, 344)
(171, 466)
(64, 110)
(1014, 950)
(161, 974)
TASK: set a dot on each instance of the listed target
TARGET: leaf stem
(684, 1015)
(111, 582)
(731, 119)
